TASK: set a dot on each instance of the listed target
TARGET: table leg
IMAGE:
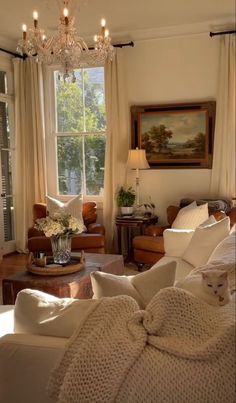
(119, 239)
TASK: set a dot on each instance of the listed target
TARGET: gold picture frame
(175, 135)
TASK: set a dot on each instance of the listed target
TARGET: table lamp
(137, 160)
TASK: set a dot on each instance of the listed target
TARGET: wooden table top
(93, 262)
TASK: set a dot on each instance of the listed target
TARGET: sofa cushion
(110, 285)
(141, 287)
(73, 206)
(176, 241)
(39, 313)
(204, 241)
(225, 251)
(182, 268)
(191, 216)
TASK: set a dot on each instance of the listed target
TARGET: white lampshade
(137, 159)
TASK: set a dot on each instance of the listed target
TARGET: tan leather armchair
(91, 241)
(149, 248)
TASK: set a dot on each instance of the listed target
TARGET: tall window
(6, 159)
(80, 132)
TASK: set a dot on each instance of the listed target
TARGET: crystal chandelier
(66, 48)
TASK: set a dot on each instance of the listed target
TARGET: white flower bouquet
(58, 224)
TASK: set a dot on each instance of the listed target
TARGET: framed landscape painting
(175, 136)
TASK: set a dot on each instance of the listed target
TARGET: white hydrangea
(58, 224)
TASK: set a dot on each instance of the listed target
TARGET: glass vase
(61, 249)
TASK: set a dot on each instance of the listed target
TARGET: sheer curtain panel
(30, 145)
(223, 181)
(117, 144)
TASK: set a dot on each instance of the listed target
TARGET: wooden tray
(52, 269)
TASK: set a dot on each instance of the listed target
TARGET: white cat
(211, 286)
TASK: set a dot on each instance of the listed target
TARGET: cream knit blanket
(178, 350)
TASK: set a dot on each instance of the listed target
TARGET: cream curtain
(223, 181)
(30, 172)
(117, 143)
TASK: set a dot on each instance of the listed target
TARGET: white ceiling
(126, 19)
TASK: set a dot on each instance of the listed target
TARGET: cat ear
(224, 275)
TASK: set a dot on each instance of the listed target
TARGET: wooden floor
(12, 264)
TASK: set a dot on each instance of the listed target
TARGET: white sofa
(27, 359)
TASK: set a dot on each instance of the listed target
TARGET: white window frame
(51, 139)
(6, 66)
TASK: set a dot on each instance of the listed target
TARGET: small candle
(24, 29)
(103, 22)
(35, 17)
(66, 13)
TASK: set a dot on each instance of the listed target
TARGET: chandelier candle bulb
(24, 29)
(66, 13)
(106, 33)
(35, 17)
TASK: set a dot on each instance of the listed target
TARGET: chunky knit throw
(179, 349)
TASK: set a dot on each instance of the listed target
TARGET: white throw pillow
(111, 285)
(153, 280)
(191, 216)
(225, 251)
(209, 221)
(141, 287)
(176, 241)
(39, 313)
(204, 241)
(73, 206)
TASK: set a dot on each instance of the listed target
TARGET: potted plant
(125, 200)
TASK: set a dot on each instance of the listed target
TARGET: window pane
(95, 118)
(6, 169)
(80, 101)
(8, 217)
(3, 82)
(4, 126)
(69, 103)
(70, 164)
(94, 163)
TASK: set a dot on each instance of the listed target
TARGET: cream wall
(167, 70)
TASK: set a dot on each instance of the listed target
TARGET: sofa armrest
(26, 362)
(155, 230)
(33, 232)
(176, 241)
(96, 228)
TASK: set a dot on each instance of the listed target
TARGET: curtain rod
(222, 33)
(12, 53)
(117, 45)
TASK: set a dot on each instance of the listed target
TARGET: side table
(125, 226)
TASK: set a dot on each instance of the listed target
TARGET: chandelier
(66, 48)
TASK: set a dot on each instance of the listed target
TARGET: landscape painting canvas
(174, 136)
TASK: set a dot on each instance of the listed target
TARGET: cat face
(215, 282)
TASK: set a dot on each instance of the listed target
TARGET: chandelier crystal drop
(66, 48)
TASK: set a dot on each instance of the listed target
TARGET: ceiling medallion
(66, 48)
